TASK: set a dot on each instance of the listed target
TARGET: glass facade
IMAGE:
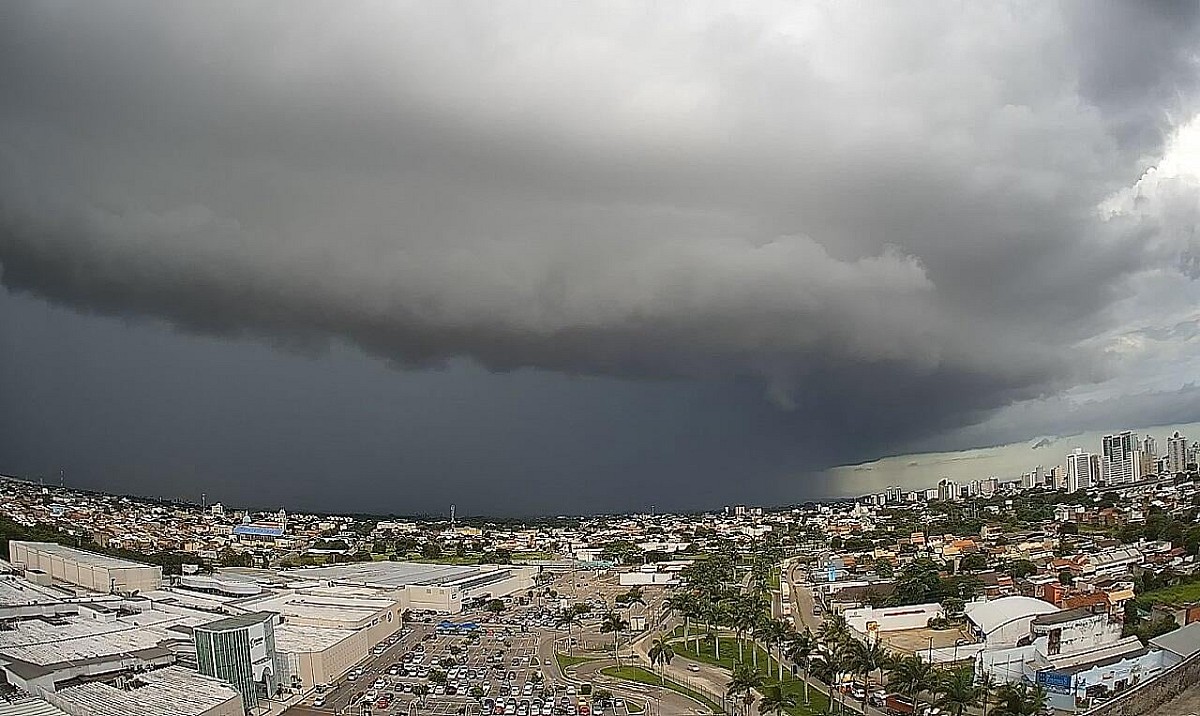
(240, 653)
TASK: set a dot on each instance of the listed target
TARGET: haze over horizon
(586, 257)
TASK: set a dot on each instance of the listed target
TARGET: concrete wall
(629, 579)
(1147, 697)
(891, 618)
(438, 599)
(325, 667)
(95, 578)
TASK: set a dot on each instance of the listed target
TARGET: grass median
(567, 660)
(818, 700)
(644, 676)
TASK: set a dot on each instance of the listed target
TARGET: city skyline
(585, 258)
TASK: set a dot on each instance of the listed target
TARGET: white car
(319, 702)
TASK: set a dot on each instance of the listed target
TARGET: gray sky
(574, 257)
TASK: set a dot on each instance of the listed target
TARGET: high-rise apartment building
(1083, 470)
(1148, 458)
(947, 489)
(1177, 453)
(1122, 458)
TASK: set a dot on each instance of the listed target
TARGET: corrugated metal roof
(29, 707)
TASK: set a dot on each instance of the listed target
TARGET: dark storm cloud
(884, 215)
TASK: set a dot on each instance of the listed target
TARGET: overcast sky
(573, 257)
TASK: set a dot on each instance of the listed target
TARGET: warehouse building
(86, 570)
(433, 587)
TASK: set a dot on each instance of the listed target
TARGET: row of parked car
(566, 706)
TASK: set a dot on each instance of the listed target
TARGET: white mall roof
(991, 615)
(81, 556)
(173, 691)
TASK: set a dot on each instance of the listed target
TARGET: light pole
(931, 650)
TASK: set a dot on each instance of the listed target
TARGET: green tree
(496, 556)
(800, 650)
(957, 692)
(744, 680)
(661, 654)
(431, 549)
(1019, 699)
(776, 701)
(913, 676)
(613, 623)
(1022, 568)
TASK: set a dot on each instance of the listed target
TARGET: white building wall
(867, 619)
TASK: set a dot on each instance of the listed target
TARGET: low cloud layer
(896, 217)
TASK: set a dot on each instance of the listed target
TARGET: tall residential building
(1122, 463)
(1148, 459)
(947, 489)
(894, 494)
(1177, 453)
(240, 651)
(1083, 470)
(1056, 478)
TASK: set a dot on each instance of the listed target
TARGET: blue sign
(1055, 681)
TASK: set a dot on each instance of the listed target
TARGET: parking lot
(502, 666)
(494, 669)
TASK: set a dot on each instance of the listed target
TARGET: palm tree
(957, 691)
(571, 616)
(614, 623)
(1020, 700)
(838, 654)
(745, 679)
(870, 656)
(987, 689)
(912, 676)
(715, 614)
(800, 650)
(775, 632)
(776, 701)
(834, 629)
(661, 654)
(686, 604)
(744, 616)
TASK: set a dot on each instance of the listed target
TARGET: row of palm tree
(710, 597)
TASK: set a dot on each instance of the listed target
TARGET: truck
(898, 705)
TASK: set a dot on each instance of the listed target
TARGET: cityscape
(594, 358)
(1071, 588)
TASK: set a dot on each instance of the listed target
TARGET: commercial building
(1077, 655)
(325, 630)
(433, 587)
(241, 652)
(1003, 622)
(87, 570)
